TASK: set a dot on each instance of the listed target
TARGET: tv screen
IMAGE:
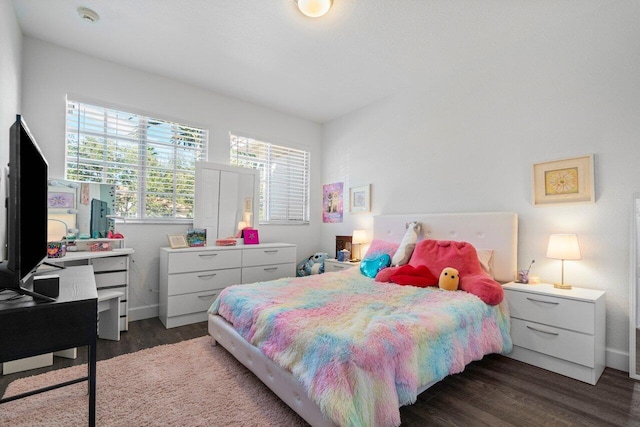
(26, 210)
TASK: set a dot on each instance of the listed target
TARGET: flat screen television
(26, 215)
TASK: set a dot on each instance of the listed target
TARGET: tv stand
(22, 291)
(8, 277)
(29, 328)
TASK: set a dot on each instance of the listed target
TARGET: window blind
(151, 162)
(284, 178)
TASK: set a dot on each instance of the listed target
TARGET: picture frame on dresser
(177, 241)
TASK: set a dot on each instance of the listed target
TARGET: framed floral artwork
(360, 199)
(564, 181)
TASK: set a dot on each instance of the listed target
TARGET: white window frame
(296, 161)
(199, 152)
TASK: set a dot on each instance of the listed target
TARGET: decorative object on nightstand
(359, 238)
(563, 247)
(523, 275)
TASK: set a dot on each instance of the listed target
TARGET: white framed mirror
(634, 291)
(226, 199)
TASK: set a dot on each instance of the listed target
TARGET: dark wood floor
(495, 391)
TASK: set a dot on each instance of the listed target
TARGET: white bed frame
(486, 230)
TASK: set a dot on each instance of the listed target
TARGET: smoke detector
(87, 14)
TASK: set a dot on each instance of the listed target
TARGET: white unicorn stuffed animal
(408, 243)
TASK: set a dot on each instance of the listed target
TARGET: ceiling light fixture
(314, 8)
(88, 15)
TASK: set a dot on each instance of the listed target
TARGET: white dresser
(559, 330)
(192, 278)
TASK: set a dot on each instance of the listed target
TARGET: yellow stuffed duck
(449, 279)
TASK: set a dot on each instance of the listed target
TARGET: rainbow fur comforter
(363, 348)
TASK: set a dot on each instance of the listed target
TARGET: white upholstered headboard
(484, 230)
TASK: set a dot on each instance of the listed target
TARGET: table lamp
(359, 238)
(562, 247)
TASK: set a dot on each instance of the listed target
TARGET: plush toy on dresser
(312, 265)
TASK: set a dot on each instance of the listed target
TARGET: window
(150, 162)
(284, 178)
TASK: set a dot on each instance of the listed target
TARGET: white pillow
(485, 256)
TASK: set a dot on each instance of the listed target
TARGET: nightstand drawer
(572, 346)
(335, 265)
(550, 310)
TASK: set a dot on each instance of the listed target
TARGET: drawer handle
(273, 251)
(207, 296)
(540, 330)
(206, 276)
(271, 269)
(546, 302)
(207, 255)
(339, 267)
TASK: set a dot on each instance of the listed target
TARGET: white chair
(109, 314)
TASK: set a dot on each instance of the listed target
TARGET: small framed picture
(251, 237)
(197, 237)
(360, 199)
(177, 241)
(563, 181)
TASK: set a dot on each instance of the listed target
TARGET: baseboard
(617, 359)
(140, 313)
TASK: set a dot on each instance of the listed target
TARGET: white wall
(10, 73)
(51, 72)
(468, 144)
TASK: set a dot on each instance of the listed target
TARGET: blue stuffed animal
(312, 265)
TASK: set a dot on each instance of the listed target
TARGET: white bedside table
(333, 264)
(558, 329)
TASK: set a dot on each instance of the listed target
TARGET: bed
(350, 391)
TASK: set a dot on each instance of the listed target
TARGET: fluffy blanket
(363, 348)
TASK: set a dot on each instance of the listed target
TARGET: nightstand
(558, 329)
(333, 264)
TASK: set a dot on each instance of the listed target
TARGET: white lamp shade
(314, 8)
(563, 246)
(359, 237)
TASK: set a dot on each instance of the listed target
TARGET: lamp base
(561, 286)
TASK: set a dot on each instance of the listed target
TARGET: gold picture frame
(360, 199)
(177, 241)
(564, 181)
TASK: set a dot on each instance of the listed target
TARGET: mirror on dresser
(80, 209)
(634, 309)
(226, 199)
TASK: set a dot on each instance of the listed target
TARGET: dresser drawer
(184, 283)
(568, 345)
(550, 310)
(203, 260)
(109, 263)
(266, 256)
(191, 303)
(268, 272)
